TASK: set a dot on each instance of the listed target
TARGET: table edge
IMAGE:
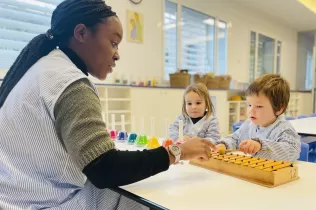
(138, 199)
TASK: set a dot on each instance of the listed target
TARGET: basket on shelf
(213, 82)
(224, 82)
(198, 78)
(179, 79)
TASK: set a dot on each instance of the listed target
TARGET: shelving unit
(293, 107)
(117, 101)
(237, 112)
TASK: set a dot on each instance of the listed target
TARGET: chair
(304, 152)
(290, 118)
(302, 116)
(312, 146)
(236, 125)
(312, 157)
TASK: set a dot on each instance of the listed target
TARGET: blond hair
(202, 91)
(274, 87)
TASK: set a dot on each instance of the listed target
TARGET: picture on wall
(135, 27)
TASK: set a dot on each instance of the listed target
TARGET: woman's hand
(196, 148)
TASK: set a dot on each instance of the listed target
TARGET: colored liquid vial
(167, 143)
(122, 136)
(153, 143)
(141, 141)
(113, 134)
(132, 138)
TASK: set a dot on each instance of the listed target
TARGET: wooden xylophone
(266, 172)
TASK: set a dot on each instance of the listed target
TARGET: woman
(54, 150)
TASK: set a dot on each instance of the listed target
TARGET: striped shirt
(279, 141)
(204, 128)
(36, 170)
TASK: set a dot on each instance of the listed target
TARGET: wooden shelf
(293, 106)
(115, 99)
(119, 111)
(236, 112)
(126, 123)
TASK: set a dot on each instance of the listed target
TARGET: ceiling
(290, 12)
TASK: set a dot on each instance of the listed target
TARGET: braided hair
(65, 17)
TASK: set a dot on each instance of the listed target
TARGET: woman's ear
(80, 32)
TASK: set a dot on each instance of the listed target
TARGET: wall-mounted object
(136, 1)
(135, 27)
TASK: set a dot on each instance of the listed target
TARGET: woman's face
(99, 48)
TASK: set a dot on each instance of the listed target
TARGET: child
(266, 133)
(197, 116)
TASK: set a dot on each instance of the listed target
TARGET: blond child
(266, 133)
(197, 116)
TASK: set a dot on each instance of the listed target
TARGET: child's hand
(249, 146)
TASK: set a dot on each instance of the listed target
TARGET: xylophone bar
(266, 172)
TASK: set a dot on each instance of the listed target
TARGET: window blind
(20, 21)
(197, 36)
(222, 47)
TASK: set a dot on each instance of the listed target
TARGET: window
(197, 37)
(21, 21)
(265, 63)
(170, 27)
(202, 40)
(278, 58)
(265, 54)
(309, 70)
(222, 47)
(252, 56)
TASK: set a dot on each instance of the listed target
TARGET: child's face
(260, 110)
(194, 105)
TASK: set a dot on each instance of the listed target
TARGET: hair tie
(49, 34)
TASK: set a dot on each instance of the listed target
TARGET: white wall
(141, 60)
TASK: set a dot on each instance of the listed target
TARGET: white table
(305, 126)
(191, 187)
